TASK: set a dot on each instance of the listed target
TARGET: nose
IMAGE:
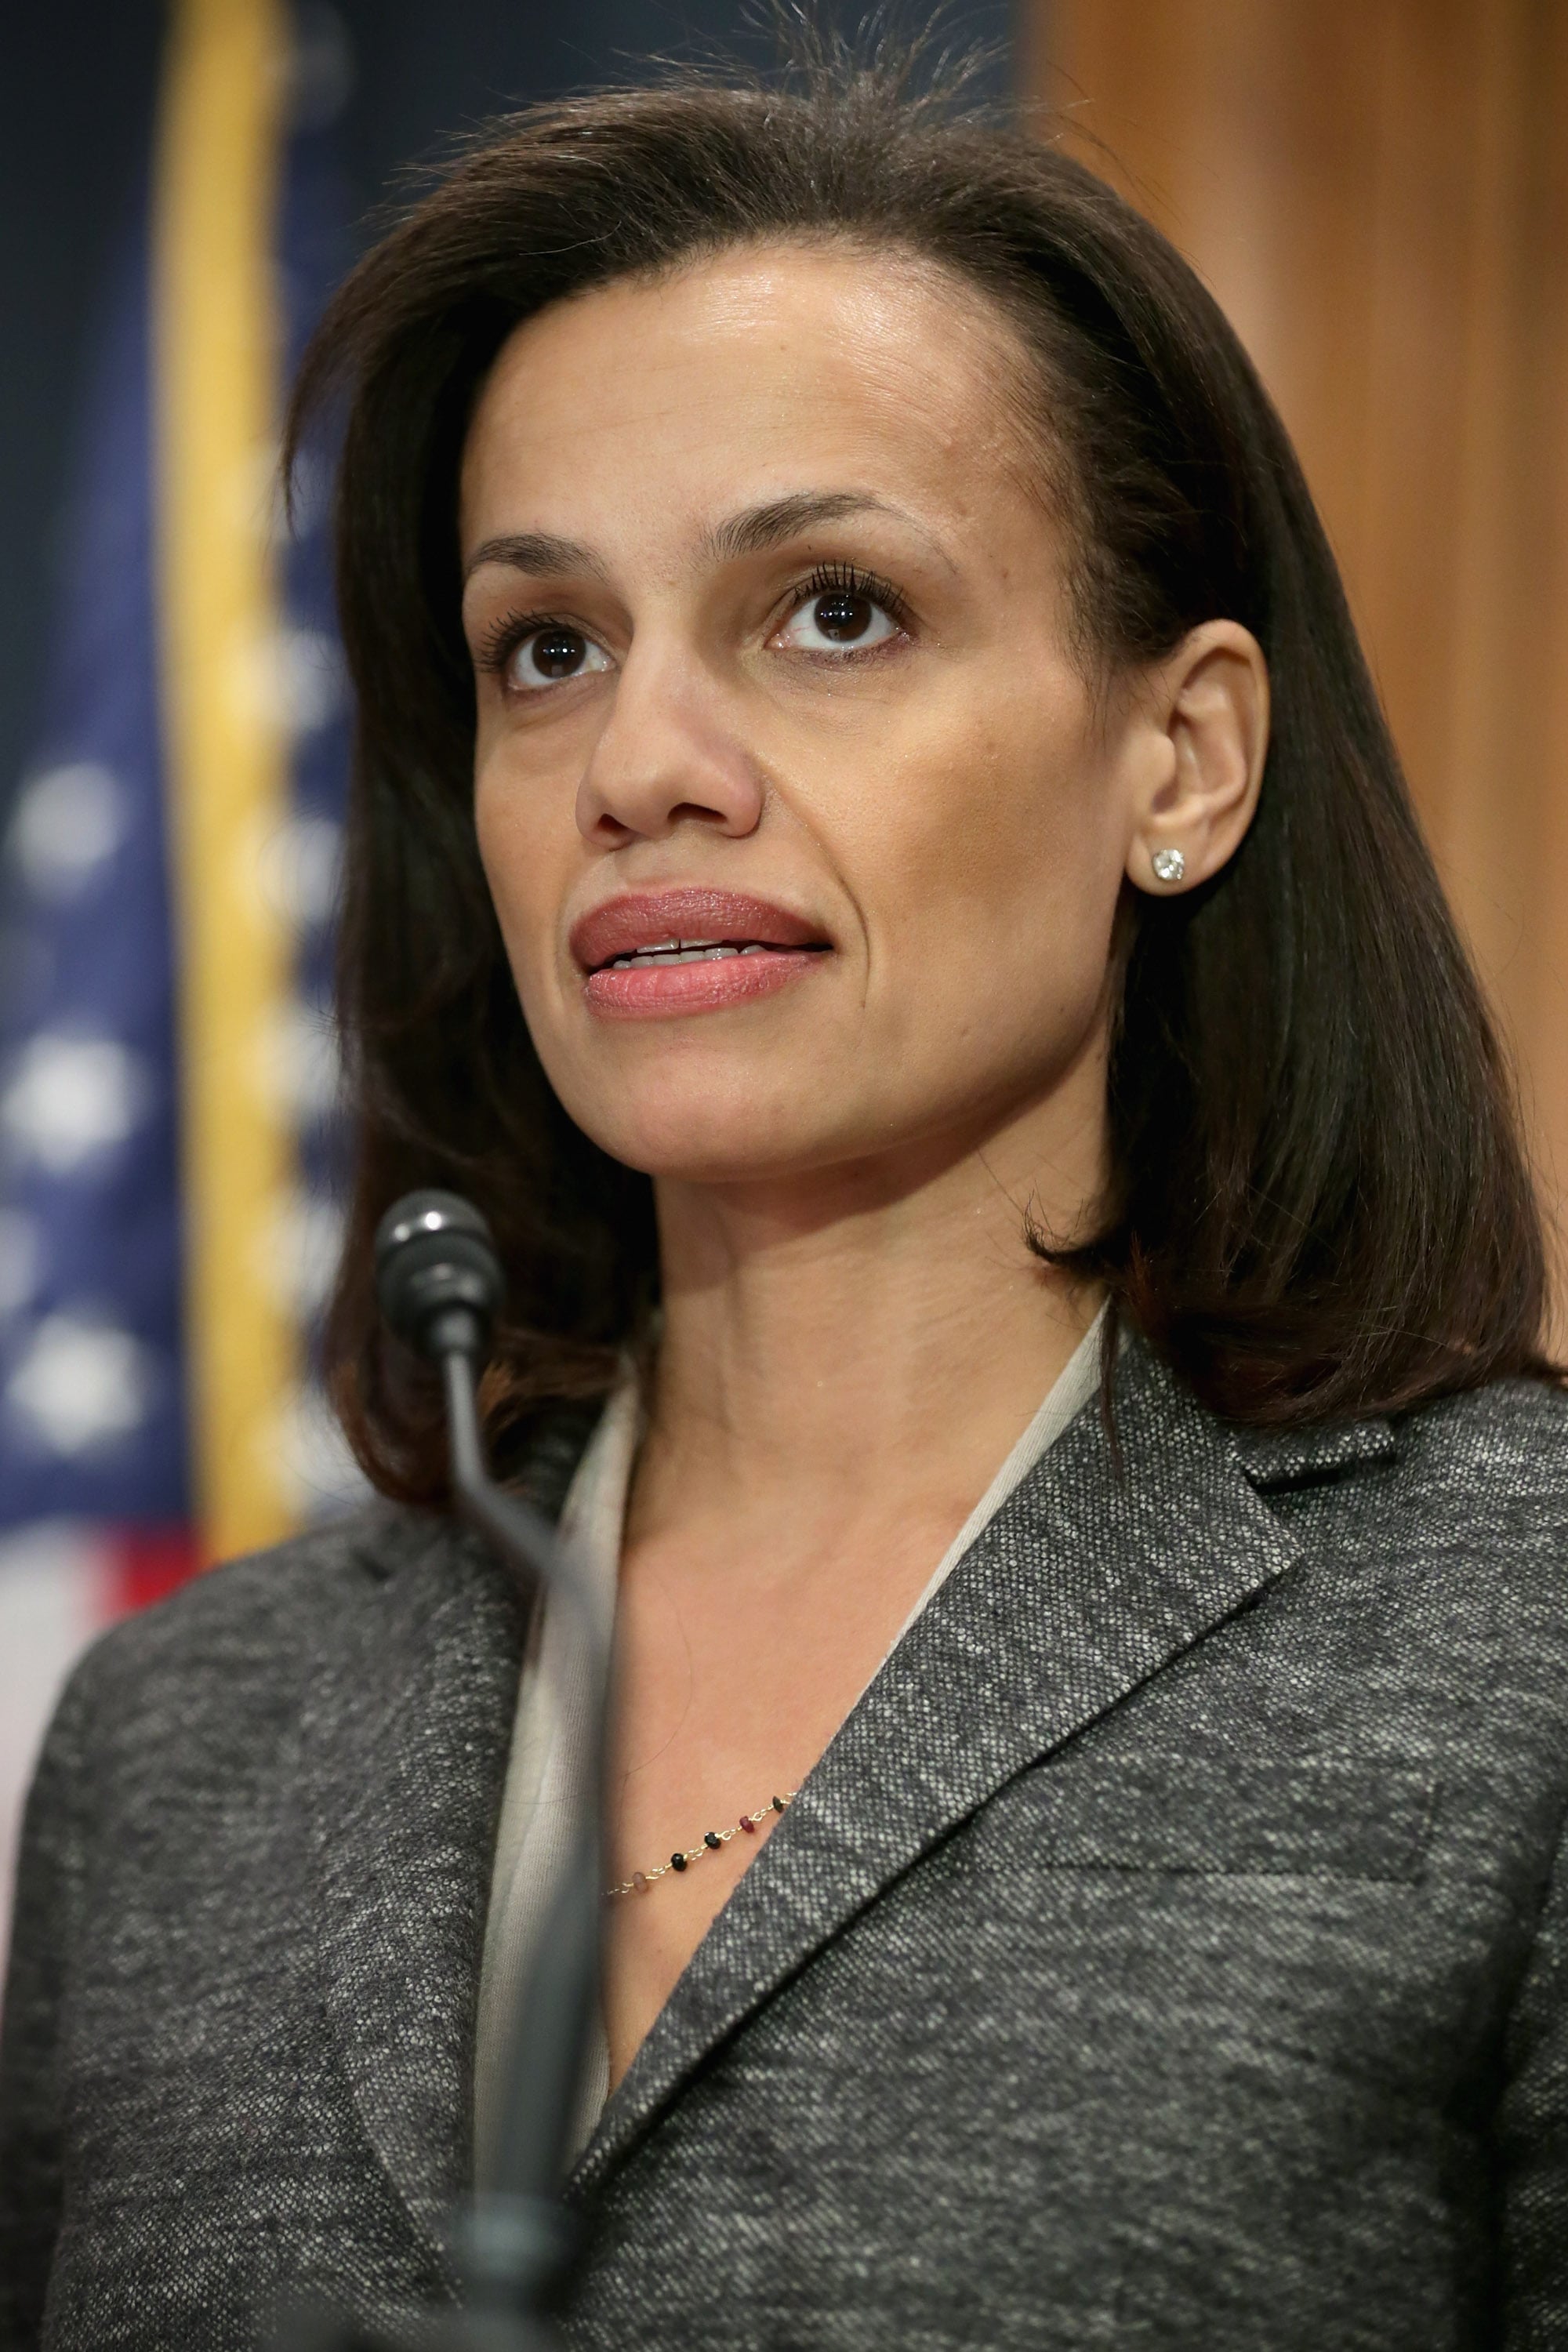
(667, 756)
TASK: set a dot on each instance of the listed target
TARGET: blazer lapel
(407, 1733)
(1086, 1583)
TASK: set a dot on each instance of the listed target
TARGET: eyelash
(504, 636)
(849, 579)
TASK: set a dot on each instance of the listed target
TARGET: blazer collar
(1090, 1579)
(1276, 1458)
(406, 1729)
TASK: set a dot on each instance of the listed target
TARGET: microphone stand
(518, 2239)
(440, 1285)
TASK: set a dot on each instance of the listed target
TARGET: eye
(843, 618)
(552, 655)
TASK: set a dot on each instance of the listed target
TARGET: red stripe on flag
(148, 1562)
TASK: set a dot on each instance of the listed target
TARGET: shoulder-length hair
(1318, 1203)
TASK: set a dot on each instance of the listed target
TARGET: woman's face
(770, 630)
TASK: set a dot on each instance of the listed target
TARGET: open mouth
(673, 952)
(663, 953)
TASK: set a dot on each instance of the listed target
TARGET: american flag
(167, 880)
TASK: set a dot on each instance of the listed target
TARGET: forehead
(741, 374)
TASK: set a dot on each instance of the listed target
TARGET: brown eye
(548, 656)
(558, 652)
(843, 616)
(839, 620)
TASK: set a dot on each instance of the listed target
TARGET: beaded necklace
(641, 1880)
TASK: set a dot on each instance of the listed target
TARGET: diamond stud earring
(1168, 864)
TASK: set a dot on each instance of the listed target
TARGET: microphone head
(438, 1278)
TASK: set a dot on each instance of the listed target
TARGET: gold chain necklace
(641, 1880)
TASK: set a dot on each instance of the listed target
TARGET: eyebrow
(535, 551)
(761, 527)
(751, 532)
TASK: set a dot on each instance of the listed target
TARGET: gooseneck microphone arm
(440, 1283)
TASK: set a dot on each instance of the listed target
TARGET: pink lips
(776, 948)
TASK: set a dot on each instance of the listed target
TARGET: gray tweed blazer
(1167, 1951)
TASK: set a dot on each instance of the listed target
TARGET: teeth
(682, 951)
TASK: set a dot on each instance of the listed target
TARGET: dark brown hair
(1318, 1202)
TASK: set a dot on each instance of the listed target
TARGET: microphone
(440, 1286)
(438, 1281)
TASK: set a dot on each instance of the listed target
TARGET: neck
(881, 1329)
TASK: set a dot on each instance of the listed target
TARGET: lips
(654, 953)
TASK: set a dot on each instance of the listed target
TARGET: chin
(718, 1135)
(694, 1108)
(716, 1151)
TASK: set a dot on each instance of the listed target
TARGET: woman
(877, 864)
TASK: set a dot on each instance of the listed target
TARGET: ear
(1205, 737)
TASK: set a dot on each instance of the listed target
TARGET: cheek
(524, 857)
(525, 892)
(1003, 869)
(496, 830)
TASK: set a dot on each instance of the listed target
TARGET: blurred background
(1378, 193)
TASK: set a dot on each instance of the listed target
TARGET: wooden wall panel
(1377, 190)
